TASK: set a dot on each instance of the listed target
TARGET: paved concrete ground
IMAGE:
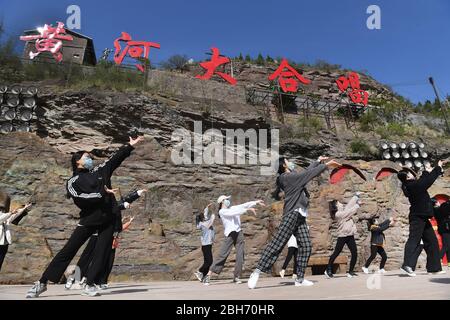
(391, 286)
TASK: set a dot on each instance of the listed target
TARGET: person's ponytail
(278, 190)
(75, 158)
(332, 207)
(281, 169)
(370, 223)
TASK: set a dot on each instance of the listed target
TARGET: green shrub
(368, 121)
(392, 129)
(360, 146)
(176, 62)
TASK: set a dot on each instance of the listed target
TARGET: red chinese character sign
(288, 77)
(135, 49)
(356, 94)
(49, 39)
(213, 64)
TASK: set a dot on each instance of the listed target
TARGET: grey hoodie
(294, 186)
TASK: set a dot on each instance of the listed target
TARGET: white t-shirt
(292, 243)
(303, 212)
(231, 216)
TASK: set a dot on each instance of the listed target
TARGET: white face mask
(227, 203)
(291, 166)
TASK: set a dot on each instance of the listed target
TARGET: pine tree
(260, 60)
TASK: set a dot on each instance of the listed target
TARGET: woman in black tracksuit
(421, 210)
(442, 215)
(88, 189)
(87, 256)
(377, 242)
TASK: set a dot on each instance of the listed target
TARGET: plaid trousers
(291, 224)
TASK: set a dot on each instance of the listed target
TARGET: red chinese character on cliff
(49, 40)
(211, 66)
(356, 94)
(288, 77)
(135, 49)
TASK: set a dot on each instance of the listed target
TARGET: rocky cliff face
(162, 242)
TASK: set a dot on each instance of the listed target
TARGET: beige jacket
(346, 225)
(5, 220)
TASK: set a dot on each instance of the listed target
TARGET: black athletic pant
(351, 244)
(87, 256)
(373, 253)
(58, 265)
(3, 251)
(445, 246)
(416, 256)
(421, 228)
(103, 278)
(292, 252)
(207, 259)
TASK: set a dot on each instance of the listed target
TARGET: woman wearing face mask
(88, 255)
(88, 189)
(295, 211)
(377, 242)
(420, 211)
(346, 230)
(230, 216)
(6, 218)
(205, 223)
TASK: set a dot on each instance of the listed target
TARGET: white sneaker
(408, 271)
(69, 283)
(382, 271)
(198, 275)
(294, 276)
(90, 291)
(206, 280)
(253, 280)
(437, 272)
(304, 283)
(36, 290)
(282, 273)
(365, 270)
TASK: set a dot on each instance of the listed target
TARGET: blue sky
(413, 42)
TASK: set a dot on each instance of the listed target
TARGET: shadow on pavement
(441, 280)
(282, 284)
(126, 286)
(124, 291)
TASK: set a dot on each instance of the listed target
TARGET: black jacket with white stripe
(87, 189)
(417, 193)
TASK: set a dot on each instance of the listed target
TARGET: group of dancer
(101, 223)
(294, 231)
